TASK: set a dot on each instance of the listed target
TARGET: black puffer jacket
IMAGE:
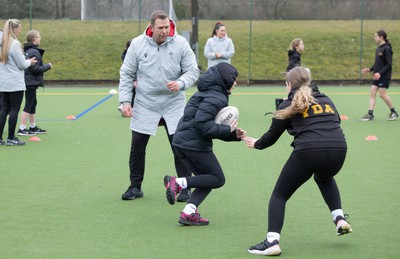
(197, 128)
(34, 74)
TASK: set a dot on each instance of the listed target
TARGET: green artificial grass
(82, 50)
(60, 197)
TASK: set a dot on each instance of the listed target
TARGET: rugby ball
(226, 115)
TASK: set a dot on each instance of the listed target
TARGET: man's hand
(127, 110)
(173, 86)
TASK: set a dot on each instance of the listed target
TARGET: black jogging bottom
(298, 169)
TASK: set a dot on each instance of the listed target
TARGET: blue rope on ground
(93, 106)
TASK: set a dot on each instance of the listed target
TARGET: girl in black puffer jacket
(33, 79)
(193, 140)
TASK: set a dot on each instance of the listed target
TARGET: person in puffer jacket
(33, 79)
(193, 141)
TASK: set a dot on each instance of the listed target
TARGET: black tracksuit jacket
(197, 128)
(34, 74)
(294, 59)
(318, 128)
(383, 61)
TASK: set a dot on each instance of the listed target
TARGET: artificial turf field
(60, 197)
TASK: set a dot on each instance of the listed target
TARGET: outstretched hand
(240, 133)
(250, 141)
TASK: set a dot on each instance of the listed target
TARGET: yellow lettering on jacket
(317, 109)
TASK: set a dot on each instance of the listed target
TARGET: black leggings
(137, 158)
(11, 104)
(207, 170)
(30, 101)
(299, 168)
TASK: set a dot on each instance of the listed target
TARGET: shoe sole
(274, 250)
(11, 145)
(27, 135)
(171, 196)
(344, 229)
(129, 199)
(188, 223)
(366, 119)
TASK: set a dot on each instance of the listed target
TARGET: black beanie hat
(228, 74)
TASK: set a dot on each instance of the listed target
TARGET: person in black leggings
(193, 141)
(319, 151)
(12, 83)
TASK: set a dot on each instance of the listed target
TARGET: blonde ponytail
(299, 78)
(8, 35)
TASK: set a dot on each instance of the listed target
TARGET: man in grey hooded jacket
(163, 66)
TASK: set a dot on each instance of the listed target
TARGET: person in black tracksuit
(382, 70)
(319, 150)
(193, 140)
(33, 79)
(294, 54)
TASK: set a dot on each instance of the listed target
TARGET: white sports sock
(182, 182)
(336, 213)
(271, 236)
(189, 208)
(33, 125)
(22, 127)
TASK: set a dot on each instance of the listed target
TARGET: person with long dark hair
(12, 83)
(382, 74)
(319, 151)
(219, 48)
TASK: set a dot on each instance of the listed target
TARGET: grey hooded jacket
(12, 72)
(152, 66)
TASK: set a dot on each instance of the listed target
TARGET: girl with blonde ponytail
(12, 83)
(319, 151)
(297, 78)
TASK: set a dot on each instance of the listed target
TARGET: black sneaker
(342, 225)
(367, 117)
(265, 248)
(37, 130)
(2, 142)
(132, 193)
(393, 116)
(15, 142)
(25, 132)
(184, 195)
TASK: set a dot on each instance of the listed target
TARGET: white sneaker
(342, 226)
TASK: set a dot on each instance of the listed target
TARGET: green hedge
(90, 50)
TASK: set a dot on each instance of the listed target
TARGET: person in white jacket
(12, 83)
(219, 48)
(163, 66)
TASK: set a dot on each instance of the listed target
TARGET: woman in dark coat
(33, 79)
(193, 140)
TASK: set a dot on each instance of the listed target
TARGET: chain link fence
(348, 31)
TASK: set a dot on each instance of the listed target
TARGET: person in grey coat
(219, 48)
(163, 66)
(12, 83)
